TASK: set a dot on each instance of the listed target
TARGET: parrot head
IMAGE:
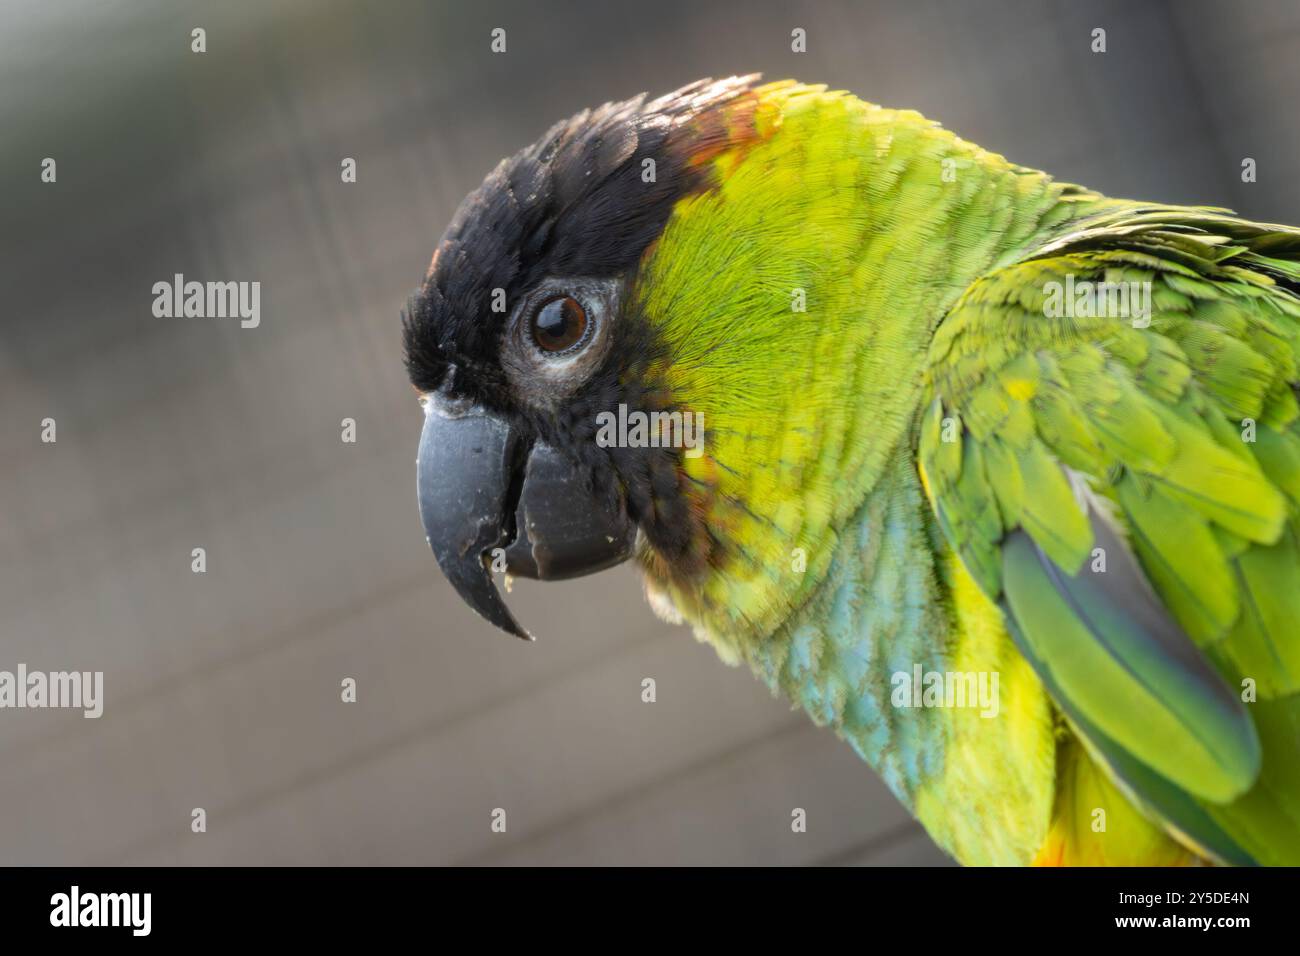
(530, 323)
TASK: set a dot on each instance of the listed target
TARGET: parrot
(963, 428)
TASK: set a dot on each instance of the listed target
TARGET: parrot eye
(559, 324)
(557, 337)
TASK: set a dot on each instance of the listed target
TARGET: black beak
(493, 500)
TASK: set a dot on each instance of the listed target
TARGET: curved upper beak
(492, 500)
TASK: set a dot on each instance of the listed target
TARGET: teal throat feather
(877, 612)
(895, 602)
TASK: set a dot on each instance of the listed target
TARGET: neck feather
(796, 300)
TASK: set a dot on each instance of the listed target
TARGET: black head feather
(572, 204)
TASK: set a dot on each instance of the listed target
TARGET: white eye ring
(544, 377)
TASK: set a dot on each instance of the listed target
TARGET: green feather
(1113, 652)
(1185, 428)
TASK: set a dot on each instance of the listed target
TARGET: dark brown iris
(559, 324)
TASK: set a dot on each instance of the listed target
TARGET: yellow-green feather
(921, 261)
(830, 578)
(1188, 427)
(847, 205)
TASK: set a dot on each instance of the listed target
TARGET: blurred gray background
(223, 689)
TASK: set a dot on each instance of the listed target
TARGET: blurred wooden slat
(734, 808)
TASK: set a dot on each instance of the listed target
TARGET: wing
(1127, 487)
